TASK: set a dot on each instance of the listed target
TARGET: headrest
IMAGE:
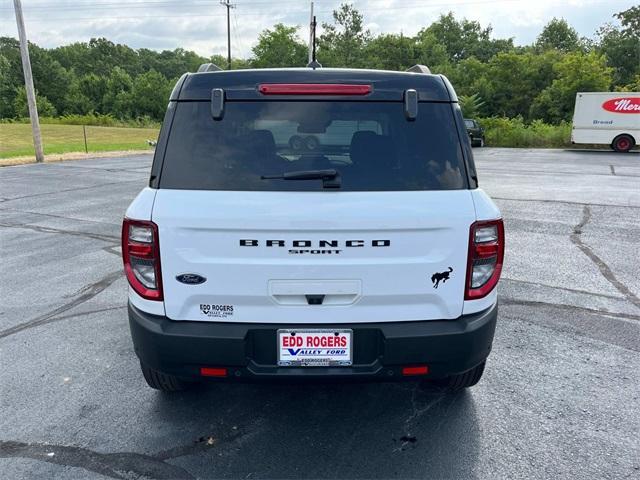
(262, 141)
(361, 140)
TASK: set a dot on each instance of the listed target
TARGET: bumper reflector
(213, 372)
(417, 370)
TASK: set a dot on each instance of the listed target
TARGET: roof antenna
(313, 63)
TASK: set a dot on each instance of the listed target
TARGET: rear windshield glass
(469, 123)
(369, 144)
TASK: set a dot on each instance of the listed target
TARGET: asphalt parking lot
(560, 397)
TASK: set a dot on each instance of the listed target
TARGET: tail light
(141, 256)
(486, 254)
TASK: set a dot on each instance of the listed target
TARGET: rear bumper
(248, 351)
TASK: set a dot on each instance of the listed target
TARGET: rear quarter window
(371, 145)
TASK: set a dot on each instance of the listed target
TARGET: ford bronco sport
(308, 223)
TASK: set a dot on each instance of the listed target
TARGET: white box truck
(607, 118)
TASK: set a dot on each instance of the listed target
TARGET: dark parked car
(475, 131)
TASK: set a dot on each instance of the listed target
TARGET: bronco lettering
(319, 244)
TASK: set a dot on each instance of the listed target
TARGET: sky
(200, 25)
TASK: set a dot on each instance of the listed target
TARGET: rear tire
(455, 383)
(162, 381)
(623, 143)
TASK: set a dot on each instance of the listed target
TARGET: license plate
(315, 348)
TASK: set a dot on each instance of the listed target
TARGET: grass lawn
(16, 139)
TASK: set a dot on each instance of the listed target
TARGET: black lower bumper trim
(248, 350)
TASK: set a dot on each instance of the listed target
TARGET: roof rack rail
(209, 67)
(419, 69)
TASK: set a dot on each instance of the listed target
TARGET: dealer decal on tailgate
(216, 310)
(307, 348)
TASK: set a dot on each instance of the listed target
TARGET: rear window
(370, 144)
(469, 123)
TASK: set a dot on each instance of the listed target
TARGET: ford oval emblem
(191, 279)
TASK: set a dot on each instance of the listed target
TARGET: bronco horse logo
(438, 277)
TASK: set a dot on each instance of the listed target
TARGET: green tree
(7, 91)
(430, 51)
(98, 56)
(391, 52)
(76, 102)
(117, 98)
(236, 63)
(93, 87)
(170, 63)
(342, 42)
(559, 35)
(50, 78)
(634, 86)
(630, 20)
(279, 47)
(536, 81)
(469, 76)
(621, 45)
(149, 95)
(576, 72)
(464, 39)
(516, 79)
(21, 107)
(471, 105)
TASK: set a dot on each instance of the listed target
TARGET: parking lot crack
(40, 229)
(605, 270)
(418, 409)
(88, 293)
(555, 287)
(563, 202)
(122, 465)
(535, 303)
(67, 190)
(205, 443)
(51, 215)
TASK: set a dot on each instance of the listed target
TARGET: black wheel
(162, 381)
(455, 383)
(623, 143)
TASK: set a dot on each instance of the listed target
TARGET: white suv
(306, 223)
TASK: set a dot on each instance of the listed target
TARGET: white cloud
(200, 25)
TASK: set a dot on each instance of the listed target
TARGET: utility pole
(28, 82)
(311, 34)
(229, 5)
